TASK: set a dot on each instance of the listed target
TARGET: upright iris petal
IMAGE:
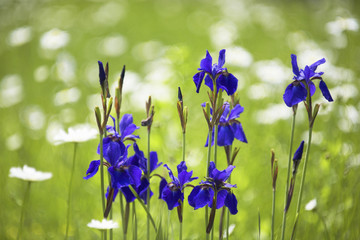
(215, 72)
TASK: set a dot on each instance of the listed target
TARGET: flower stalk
(23, 209)
(294, 108)
(70, 192)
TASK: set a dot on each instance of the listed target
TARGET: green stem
(23, 209)
(303, 179)
(324, 223)
(288, 174)
(69, 193)
(207, 174)
(145, 208)
(181, 224)
(134, 222)
(102, 173)
(273, 214)
(183, 147)
(148, 190)
(228, 218)
(122, 212)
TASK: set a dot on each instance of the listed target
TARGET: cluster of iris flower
(124, 170)
(130, 173)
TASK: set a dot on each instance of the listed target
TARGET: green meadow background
(49, 80)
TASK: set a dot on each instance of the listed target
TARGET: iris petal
(198, 78)
(235, 112)
(325, 91)
(231, 203)
(206, 63)
(238, 132)
(229, 83)
(93, 169)
(221, 60)
(294, 94)
(225, 136)
(294, 64)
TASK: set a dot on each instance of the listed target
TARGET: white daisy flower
(29, 174)
(103, 225)
(77, 133)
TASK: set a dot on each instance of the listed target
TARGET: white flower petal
(311, 205)
(77, 133)
(104, 224)
(29, 174)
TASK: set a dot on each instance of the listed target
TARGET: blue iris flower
(296, 92)
(203, 194)
(173, 192)
(229, 127)
(122, 172)
(224, 80)
(140, 161)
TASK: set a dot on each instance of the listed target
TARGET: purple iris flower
(224, 80)
(140, 161)
(122, 172)
(203, 194)
(296, 92)
(229, 127)
(173, 192)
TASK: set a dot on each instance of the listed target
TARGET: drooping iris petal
(220, 199)
(198, 78)
(299, 152)
(93, 169)
(209, 82)
(122, 177)
(141, 191)
(325, 91)
(231, 203)
(227, 82)
(200, 196)
(238, 132)
(294, 94)
(225, 136)
(221, 60)
(294, 64)
(312, 88)
(135, 175)
(171, 197)
(119, 177)
(163, 183)
(206, 63)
